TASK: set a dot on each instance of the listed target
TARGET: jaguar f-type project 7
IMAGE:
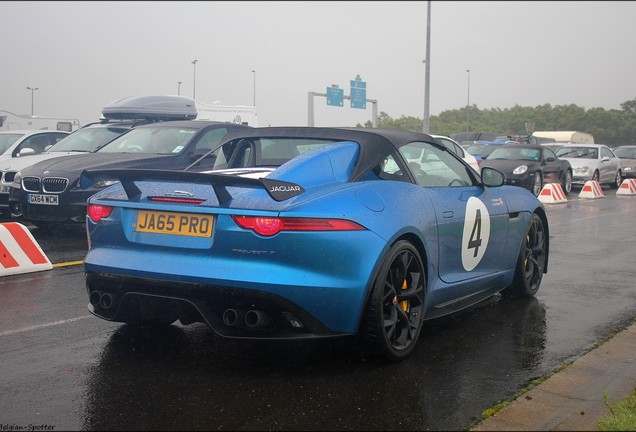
(312, 233)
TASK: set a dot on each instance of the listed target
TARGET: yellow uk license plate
(185, 224)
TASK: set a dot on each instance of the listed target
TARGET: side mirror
(26, 152)
(492, 177)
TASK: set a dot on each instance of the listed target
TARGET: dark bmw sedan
(48, 193)
(530, 166)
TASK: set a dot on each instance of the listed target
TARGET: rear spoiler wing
(278, 190)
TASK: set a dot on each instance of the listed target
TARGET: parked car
(16, 143)
(531, 139)
(530, 166)
(118, 117)
(472, 137)
(19, 143)
(481, 149)
(554, 146)
(341, 240)
(454, 146)
(48, 193)
(627, 154)
(593, 162)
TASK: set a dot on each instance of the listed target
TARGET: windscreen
(154, 140)
(578, 152)
(6, 140)
(86, 140)
(516, 153)
(627, 153)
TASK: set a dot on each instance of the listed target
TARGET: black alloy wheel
(395, 312)
(618, 180)
(567, 182)
(531, 261)
(537, 183)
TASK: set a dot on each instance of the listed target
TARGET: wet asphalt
(65, 369)
(578, 396)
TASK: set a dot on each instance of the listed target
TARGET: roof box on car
(151, 108)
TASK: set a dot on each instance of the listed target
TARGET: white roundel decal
(476, 233)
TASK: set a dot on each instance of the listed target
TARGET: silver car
(454, 146)
(627, 153)
(593, 162)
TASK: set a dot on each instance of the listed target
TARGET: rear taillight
(97, 212)
(269, 226)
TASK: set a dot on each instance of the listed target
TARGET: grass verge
(622, 416)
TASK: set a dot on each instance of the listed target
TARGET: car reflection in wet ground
(178, 378)
(90, 374)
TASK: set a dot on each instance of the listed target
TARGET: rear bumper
(322, 278)
(154, 300)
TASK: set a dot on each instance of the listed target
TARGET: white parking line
(39, 326)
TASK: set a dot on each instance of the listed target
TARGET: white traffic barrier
(552, 193)
(591, 189)
(628, 187)
(19, 252)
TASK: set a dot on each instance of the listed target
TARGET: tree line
(611, 127)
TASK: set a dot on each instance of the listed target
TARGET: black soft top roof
(375, 144)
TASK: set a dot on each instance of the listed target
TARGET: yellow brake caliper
(404, 303)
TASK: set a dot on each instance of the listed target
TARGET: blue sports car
(302, 232)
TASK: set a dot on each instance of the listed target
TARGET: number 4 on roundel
(474, 241)
(476, 233)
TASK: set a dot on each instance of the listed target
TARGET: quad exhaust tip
(103, 300)
(233, 317)
(252, 318)
(256, 319)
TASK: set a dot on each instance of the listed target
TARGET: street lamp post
(32, 91)
(427, 70)
(194, 80)
(254, 72)
(468, 103)
(179, 89)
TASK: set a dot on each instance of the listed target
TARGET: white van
(11, 121)
(573, 137)
(239, 114)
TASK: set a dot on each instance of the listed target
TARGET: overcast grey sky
(83, 55)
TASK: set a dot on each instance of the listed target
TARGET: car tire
(395, 310)
(531, 261)
(537, 183)
(567, 182)
(596, 176)
(617, 180)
